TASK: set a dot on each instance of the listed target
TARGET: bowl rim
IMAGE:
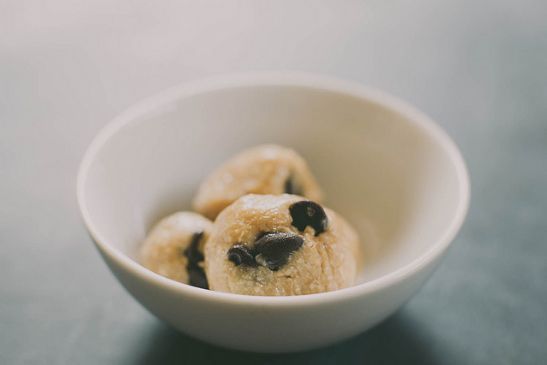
(278, 78)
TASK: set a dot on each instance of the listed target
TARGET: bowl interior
(393, 178)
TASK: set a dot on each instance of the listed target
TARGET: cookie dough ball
(174, 248)
(280, 245)
(265, 169)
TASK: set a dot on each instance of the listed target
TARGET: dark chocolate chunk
(241, 255)
(273, 249)
(307, 213)
(197, 277)
(196, 273)
(291, 187)
(262, 234)
(192, 251)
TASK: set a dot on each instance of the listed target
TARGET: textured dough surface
(325, 262)
(163, 249)
(263, 169)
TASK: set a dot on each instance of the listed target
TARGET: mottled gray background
(478, 67)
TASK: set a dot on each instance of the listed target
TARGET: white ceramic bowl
(385, 166)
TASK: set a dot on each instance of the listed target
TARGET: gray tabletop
(478, 68)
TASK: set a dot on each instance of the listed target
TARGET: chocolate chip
(241, 255)
(192, 251)
(307, 213)
(262, 234)
(291, 187)
(273, 249)
(196, 273)
(197, 277)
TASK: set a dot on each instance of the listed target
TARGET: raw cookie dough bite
(174, 248)
(280, 245)
(265, 169)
